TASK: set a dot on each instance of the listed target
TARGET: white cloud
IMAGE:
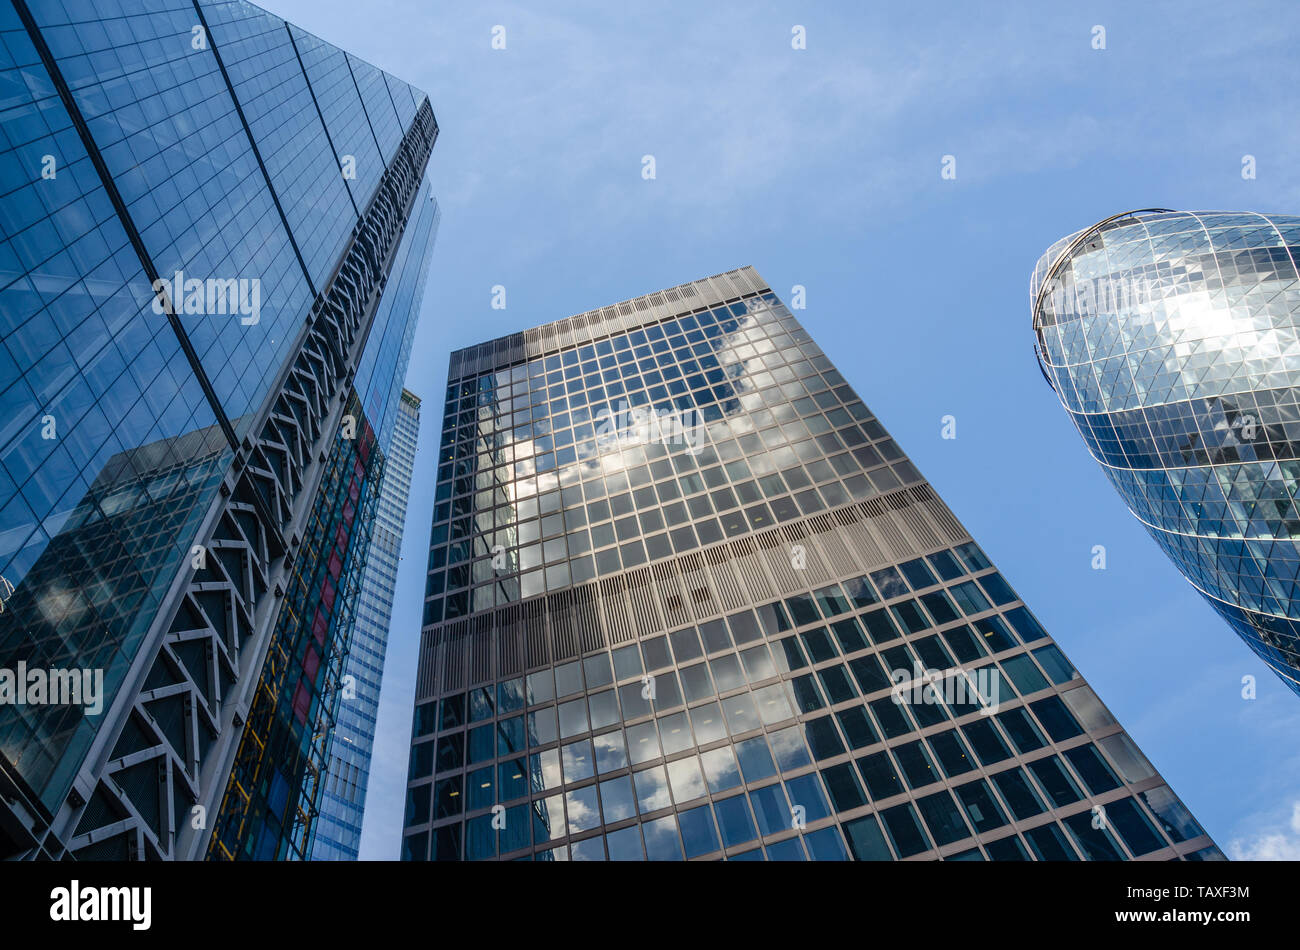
(1273, 844)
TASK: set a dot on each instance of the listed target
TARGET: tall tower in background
(684, 599)
(338, 832)
(213, 244)
(1173, 341)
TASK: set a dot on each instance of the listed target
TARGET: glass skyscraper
(686, 598)
(338, 831)
(1173, 341)
(213, 238)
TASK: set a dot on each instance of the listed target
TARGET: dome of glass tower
(1173, 341)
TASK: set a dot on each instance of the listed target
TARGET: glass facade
(338, 830)
(687, 599)
(1173, 341)
(200, 205)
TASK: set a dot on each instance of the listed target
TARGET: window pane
(856, 727)
(771, 809)
(1085, 705)
(866, 840)
(1129, 760)
(643, 742)
(904, 831)
(1096, 844)
(1020, 726)
(1018, 793)
(720, 769)
(617, 799)
(826, 845)
(1127, 818)
(698, 832)
(1024, 673)
(686, 779)
(1173, 817)
(1056, 718)
(986, 742)
(512, 780)
(1056, 782)
(951, 752)
(610, 753)
(661, 842)
(578, 761)
(880, 775)
(625, 844)
(805, 792)
(942, 818)
(916, 764)
(652, 789)
(675, 733)
(573, 718)
(1092, 768)
(734, 820)
(980, 806)
(1055, 663)
(1049, 844)
(548, 819)
(842, 783)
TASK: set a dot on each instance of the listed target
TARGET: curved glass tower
(1173, 341)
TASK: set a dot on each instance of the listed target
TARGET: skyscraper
(1173, 341)
(338, 832)
(215, 233)
(687, 598)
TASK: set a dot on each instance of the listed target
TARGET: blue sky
(821, 167)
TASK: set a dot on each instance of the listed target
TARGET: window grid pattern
(639, 447)
(737, 698)
(793, 704)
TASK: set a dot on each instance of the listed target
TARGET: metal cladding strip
(933, 526)
(252, 533)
